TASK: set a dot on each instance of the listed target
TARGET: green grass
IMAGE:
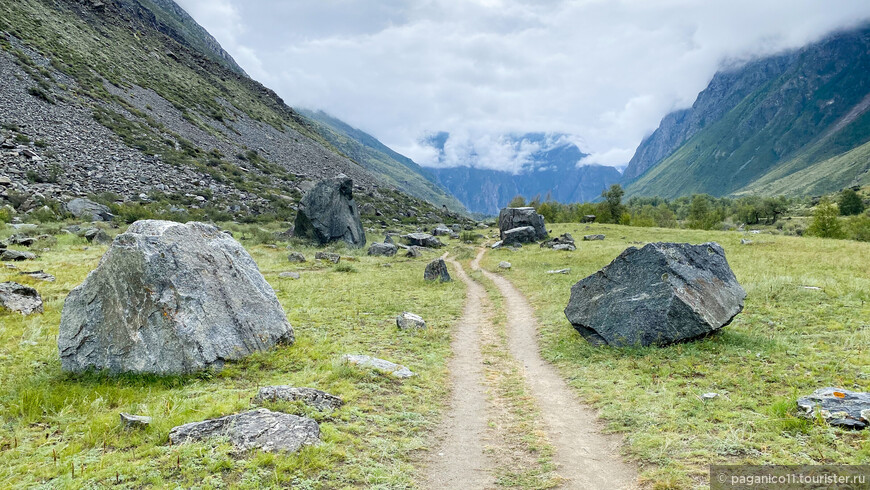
(787, 342)
(53, 424)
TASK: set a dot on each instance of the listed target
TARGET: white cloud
(603, 71)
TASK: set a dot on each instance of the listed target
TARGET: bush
(850, 203)
(469, 236)
(5, 216)
(859, 228)
(130, 213)
(826, 223)
(344, 268)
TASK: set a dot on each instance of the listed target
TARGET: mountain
(549, 168)
(394, 168)
(130, 101)
(793, 123)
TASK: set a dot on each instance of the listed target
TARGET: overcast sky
(603, 72)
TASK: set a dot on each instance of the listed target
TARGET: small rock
(383, 249)
(559, 271)
(838, 407)
(318, 399)
(409, 320)
(414, 251)
(39, 275)
(290, 275)
(709, 396)
(391, 368)
(497, 244)
(437, 269)
(568, 247)
(16, 255)
(96, 235)
(590, 238)
(328, 256)
(296, 257)
(257, 429)
(504, 265)
(20, 298)
(134, 421)
(744, 241)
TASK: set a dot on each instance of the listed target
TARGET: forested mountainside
(795, 123)
(132, 100)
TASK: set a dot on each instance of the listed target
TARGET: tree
(850, 203)
(701, 216)
(826, 223)
(517, 202)
(613, 201)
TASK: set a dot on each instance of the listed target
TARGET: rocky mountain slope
(118, 99)
(551, 171)
(787, 124)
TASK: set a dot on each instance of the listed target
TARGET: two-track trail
(586, 458)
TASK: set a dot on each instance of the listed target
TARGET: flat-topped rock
(424, 240)
(843, 408)
(257, 429)
(407, 320)
(511, 218)
(19, 298)
(318, 399)
(391, 368)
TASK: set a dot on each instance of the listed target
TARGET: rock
(589, 218)
(497, 244)
(328, 213)
(170, 298)
(562, 242)
(709, 396)
(744, 241)
(290, 275)
(383, 249)
(436, 270)
(414, 251)
(88, 210)
(296, 257)
(409, 320)
(423, 240)
(24, 241)
(589, 238)
(838, 407)
(523, 234)
(39, 275)
(512, 218)
(504, 265)
(328, 256)
(442, 230)
(9, 255)
(389, 239)
(19, 298)
(129, 421)
(559, 271)
(320, 400)
(96, 235)
(391, 368)
(257, 429)
(656, 295)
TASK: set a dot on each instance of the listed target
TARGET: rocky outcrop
(327, 256)
(88, 210)
(838, 407)
(513, 218)
(258, 429)
(656, 295)
(329, 214)
(170, 298)
(436, 270)
(561, 242)
(318, 399)
(19, 298)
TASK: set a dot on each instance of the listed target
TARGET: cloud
(603, 71)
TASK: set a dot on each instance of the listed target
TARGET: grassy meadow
(805, 325)
(63, 431)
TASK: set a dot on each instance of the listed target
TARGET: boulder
(568, 247)
(328, 213)
(19, 298)
(523, 234)
(424, 240)
(435, 270)
(328, 256)
(39, 275)
(442, 230)
(562, 242)
(96, 235)
(511, 218)
(170, 298)
(289, 275)
(838, 407)
(257, 429)
(389, 239)
(409, 320)
(414, 251)
(383, 249)
(656, 295)
(320, 400)
(391, 368)
(589, 238)
(504, 265)
(129, 421)
(9, 255)
(589, 218)
(296, 257)
(88, 210)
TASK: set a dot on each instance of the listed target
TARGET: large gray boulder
(328, 214)
(659, 294)
(9, 255)
(424, 240)
(436, 270)
(511, 218)
(88, 210)
(518, 236)
(383, 249)
(170, 298)
(258, 429)
(838, 407)
(19, 298)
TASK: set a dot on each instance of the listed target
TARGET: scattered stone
(512, 218)
(656, 295)
(414, 251)
(589, 218)
(318, 399)
(170, 298)
(257, 429)
(383, 249)
(424, 240)
(442, 230)
(96, 235)
(10, 255)
(290, 275)
(88, 210)
(744, 241)
(328, 213)
(409, 320)
(437, 269)
(296, 257)
(565, 247)
(562, 242)
(559, 271)
(849, 409)
(24, 241)
(328, 256)
(504, 265)
(129, 421)
(19, 298)
(497, 244)
(812, 288)
(39, 275)
(389, 239)
(518, 236)
(589, 238)
(709, 396)
(391, 368)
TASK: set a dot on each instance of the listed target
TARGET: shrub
(850, 203)
(826, 223)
